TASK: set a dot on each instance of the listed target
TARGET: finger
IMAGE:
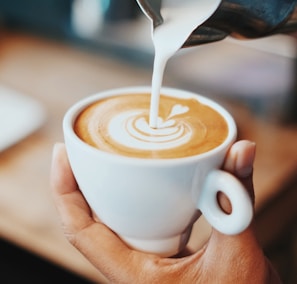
(73, 210)
(62, 179)
(239, 161)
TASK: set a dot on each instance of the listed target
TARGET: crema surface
(120, 125)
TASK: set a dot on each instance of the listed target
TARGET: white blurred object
(19, 116)
(87, 17)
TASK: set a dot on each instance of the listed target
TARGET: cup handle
(242, 210)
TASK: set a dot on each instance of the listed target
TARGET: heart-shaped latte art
(178, 109)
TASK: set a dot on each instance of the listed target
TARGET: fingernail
(56, 149)
(245, 162)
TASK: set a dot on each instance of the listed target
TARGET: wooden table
(58, 75)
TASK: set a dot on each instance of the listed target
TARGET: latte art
(131, 129)
(120, 125)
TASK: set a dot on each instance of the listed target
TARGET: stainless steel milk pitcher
(237, 18)
(247, 19)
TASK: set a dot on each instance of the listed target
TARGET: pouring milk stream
(181, 18)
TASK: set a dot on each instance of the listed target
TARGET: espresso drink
(120, 125)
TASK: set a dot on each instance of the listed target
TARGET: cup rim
(72, 113)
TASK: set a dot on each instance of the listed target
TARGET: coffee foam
(120, 125)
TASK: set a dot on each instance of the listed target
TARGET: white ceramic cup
(152, 203)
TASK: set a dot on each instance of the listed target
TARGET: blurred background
(55, 52)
